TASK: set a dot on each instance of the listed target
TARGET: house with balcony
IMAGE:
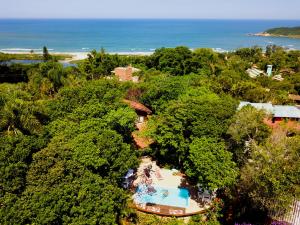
(126, 73)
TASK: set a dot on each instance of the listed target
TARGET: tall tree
(210, 164)
(247, 127)
(197, 113)
(46, 54)
(271, 179)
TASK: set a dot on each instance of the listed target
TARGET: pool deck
(167, 178)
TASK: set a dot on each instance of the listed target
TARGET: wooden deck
(164, 210)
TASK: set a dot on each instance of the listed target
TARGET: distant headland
(290, 32)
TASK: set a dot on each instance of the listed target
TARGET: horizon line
(137, 18)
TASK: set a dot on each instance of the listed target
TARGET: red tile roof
(137, 106)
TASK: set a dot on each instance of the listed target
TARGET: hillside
(293, 32)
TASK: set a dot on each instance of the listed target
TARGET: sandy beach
(76, 55)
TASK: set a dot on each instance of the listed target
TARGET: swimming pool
(178, 197)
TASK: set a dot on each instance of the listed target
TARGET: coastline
(76, 55)
(265, 34)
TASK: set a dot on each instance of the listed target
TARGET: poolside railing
(163, 210)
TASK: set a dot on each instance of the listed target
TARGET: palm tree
(46, 54)
(46, 79)
(19, 116)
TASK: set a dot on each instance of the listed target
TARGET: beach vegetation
(6, 57)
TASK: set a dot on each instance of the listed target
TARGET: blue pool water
(178, 197)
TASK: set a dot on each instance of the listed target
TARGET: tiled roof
(126, 68)
(294, 97)
(137, 106)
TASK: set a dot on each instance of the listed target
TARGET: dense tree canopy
(66, 134)
(271, 178)
(210, 164)
(197, 113)
(247, 127)
(73, 170)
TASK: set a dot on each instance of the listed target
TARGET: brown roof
(137, 106)
(287, 70)
(294, 97)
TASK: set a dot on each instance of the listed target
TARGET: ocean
(136, 35)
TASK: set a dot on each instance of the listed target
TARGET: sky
(204, 9)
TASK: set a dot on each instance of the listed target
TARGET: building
(141, 123)
(126, 73)
(287, 71)
(260, 106)
(269, 70)
(278, 77)
(295, 99)
(281, 112)
(278, 112)
(254, 72)
(141, 110)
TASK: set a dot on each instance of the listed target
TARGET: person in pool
(165, 193)
(151, 190)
